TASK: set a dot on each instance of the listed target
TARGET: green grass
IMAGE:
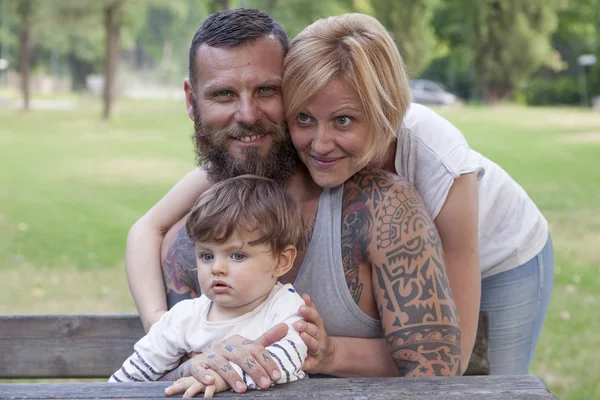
(71, 185)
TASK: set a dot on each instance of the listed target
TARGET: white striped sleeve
(158, 352)
(289, 354)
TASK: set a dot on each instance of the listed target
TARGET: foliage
(541, 91)
(487, 48)
(409, 23)
(507, 40)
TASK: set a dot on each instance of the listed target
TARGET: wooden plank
(94, 346)
(436, 388)
(66, 346)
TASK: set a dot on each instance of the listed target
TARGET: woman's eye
(265, 90)
(206, 257)
(303, 118)
(343, 121)
(238, 256)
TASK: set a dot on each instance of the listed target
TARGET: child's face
(237, 277)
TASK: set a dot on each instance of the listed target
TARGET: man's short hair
(246, 203)
(233, 28)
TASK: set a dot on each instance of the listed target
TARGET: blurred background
(533, 52)
(94, 131)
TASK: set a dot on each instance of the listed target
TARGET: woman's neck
(389, 159)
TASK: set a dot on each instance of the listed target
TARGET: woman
(330, 63)
(347, 68)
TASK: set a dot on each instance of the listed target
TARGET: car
(424, 91)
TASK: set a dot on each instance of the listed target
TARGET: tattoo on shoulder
(179, 267)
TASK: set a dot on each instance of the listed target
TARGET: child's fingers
(193, 390)
(209, 392)
(180, 385)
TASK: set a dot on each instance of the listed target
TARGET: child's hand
(192, 387)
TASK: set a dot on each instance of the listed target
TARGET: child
(245, 230)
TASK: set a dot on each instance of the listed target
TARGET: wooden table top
(434, 388)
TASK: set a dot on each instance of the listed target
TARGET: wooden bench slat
(66, 346)
(436, 388)
(95, 346)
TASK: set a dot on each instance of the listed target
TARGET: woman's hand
(192, 387)
(321, 348)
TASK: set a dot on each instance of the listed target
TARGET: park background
(81, 160)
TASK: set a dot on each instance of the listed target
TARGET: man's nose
(248, 112)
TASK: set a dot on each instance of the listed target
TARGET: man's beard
(279, 163)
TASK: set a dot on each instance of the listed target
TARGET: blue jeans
(517, 302)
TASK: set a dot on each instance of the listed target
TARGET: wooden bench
(94, 346)
(431, 388)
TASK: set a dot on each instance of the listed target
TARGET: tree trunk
(112, 26)
(26, 43)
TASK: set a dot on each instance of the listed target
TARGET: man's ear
(189, 97)
(285, 261)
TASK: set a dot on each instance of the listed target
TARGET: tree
(25, 9)
(578, 33)
(295, 15)
(112, 25)
(510, 40)
(409, 21)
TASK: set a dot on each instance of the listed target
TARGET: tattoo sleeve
(179, 270)
(417, 311)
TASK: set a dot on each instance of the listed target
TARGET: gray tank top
(321, 274)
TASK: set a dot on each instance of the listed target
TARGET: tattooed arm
(179, 265)
(410, 285)
(142, 254)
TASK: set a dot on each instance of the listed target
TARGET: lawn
(71, 185)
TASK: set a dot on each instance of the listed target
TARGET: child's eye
(206, 257)
(238, 256)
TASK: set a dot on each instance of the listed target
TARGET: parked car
(423, 91)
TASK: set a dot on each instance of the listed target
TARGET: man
(400, 287)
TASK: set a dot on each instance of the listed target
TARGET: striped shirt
(185, 328)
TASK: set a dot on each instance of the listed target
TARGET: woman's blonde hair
(357, 48)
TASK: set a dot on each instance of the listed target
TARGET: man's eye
(303, 118)
(343, 121)
(222, 93)
(265, 90)
(206, 257)
(238, 256)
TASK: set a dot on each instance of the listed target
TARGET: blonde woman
(347, 106)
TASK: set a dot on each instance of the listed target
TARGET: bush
(542, 91)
